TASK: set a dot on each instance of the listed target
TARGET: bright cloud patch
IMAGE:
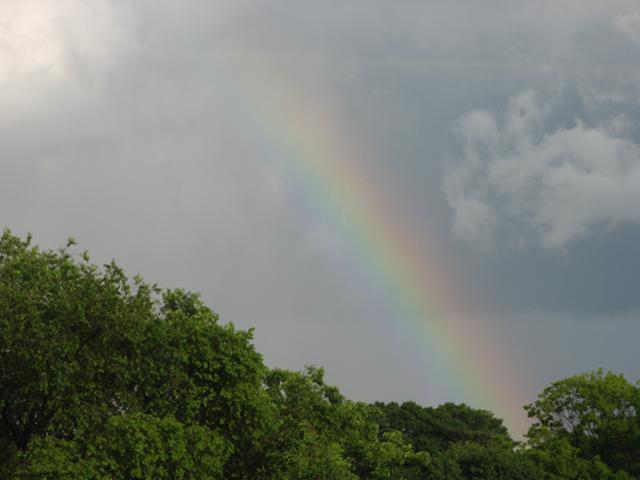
(41, 37)
(57, 50)
(629, 25)
(542, 184)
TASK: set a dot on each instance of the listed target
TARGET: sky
(435, 201)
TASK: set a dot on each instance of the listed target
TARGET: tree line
(104, 376)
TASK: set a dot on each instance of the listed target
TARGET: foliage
(315, 421)
(82, 346)
(468, 460)
(67, 331)
(129, 447)
(436, 429)
(558, 460)
(595, 413)
(107, 377)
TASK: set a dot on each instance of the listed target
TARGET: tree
(104, 376)
(558, 460)
(327, 435)
(67, 333)
(596, 413)
(85, 350)
(436, 429)
(472, 461)
(132, 447)
(303, 441)
(205, 373)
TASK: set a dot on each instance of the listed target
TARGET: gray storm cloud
(541, 182)
(124, 124)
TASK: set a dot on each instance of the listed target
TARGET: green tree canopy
(103, 376)
(596, 413)
(85, 349)
(436, 429)
(316, 422)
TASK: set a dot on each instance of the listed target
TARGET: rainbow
(458, 350)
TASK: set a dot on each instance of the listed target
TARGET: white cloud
(629, 25)
(56, 49)
(51, 38)
(523, 178)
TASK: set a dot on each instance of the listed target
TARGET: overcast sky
(507, 134)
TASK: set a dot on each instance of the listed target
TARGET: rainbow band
(393, 259)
